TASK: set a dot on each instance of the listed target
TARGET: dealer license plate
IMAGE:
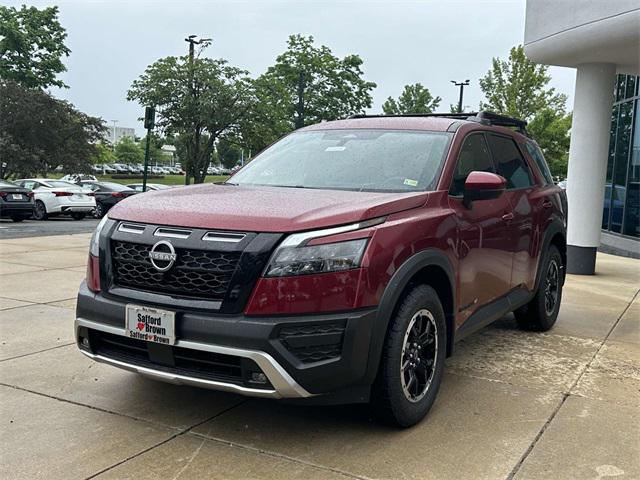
(151, 324)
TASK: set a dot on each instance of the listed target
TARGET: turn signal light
(93, 274)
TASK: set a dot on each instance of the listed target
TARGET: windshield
(116, 187)
(360, 160)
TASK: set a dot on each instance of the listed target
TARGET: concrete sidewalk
(513, 404)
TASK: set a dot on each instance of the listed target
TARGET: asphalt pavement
(54, 226)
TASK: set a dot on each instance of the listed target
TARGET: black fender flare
(391, 295)
(555, 227)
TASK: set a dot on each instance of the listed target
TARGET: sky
(400, 42)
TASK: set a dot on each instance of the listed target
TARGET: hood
(260, 209)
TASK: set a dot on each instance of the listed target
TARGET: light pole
(113, 144)
(191, 40)
(461, 85)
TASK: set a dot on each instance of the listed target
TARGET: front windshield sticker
(411, 183)
(334, 149)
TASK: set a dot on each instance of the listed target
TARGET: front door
(520, 221)
(482, 243)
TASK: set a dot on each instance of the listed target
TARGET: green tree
(128, 151)
(414, 99)
(39, 132)
(200, 100)
(32, 46)
(103, 154)
(519, 88)
(307, 84)
(156, 154)
(229, 153)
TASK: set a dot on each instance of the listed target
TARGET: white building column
(588, 164)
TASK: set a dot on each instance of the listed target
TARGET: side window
(536, 154)
(509, 162)
(474, 156)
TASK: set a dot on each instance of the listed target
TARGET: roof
(433, 124)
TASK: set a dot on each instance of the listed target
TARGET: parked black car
(16, 202)
(107, 194)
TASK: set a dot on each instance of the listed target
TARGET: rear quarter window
(541, 163)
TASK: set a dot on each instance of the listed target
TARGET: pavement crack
(280, 456)
(191, 459)
(567, 394)
(166, 440)
(91, 407)
(36, 352)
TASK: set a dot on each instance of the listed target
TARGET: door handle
(507, 216)
(547, 204)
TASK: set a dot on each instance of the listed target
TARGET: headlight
(94, 245)
(295, 257)
(330, 257)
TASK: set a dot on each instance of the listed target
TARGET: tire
(40, 211)
(541, 313)
(396, 398)
(99, 211)
(78, 215)
(17, 219)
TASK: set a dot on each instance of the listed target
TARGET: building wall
(120, 133)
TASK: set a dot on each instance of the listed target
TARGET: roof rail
(491, 118)
(484, 117)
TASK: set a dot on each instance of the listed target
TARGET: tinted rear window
(541, 163)
(509, 162)
(114, 187)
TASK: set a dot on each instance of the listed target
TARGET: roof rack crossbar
(484, 117)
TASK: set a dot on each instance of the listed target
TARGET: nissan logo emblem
(162, 256)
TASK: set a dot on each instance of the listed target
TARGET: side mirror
(483, 186)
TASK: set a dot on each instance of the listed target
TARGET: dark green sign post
(149, 123)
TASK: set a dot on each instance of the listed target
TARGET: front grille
(177, 360)
(196, 273)
(313, 343)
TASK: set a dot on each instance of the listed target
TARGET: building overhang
(565, 34)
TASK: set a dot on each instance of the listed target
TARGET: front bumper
(283, 385)
(291, 351)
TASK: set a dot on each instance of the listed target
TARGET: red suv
(341, 265)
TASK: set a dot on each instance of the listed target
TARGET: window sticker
(335, 149)
(410, 182)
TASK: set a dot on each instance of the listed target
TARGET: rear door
(520, 221)
(484, 255)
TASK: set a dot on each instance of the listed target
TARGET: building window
(621, 213)
(632, 210)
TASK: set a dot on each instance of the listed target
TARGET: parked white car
(120, 168)
(57, 197)
(78, 177)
